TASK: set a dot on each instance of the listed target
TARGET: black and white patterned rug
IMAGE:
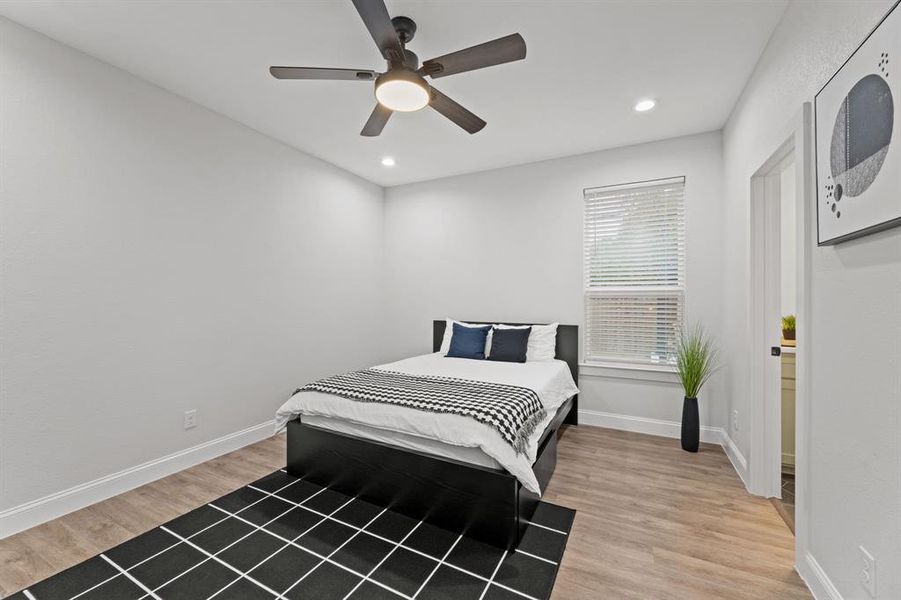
(282, 537)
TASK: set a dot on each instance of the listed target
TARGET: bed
(438, 469)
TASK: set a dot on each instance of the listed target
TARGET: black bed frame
(484, 503)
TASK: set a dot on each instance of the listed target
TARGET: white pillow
(449, 332)
(542, 341)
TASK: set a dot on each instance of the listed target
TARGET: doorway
(788, 285)
(773, 304)
(781, 236)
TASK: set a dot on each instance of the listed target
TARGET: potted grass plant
(788, 327)
(696, 360)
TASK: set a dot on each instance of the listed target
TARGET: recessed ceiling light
(388, 161)
(645, 105)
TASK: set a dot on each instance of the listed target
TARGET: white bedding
(472, 456)
(551, 380)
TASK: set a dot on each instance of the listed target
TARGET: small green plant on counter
(788, 327)
(696, 360)
(788, 323)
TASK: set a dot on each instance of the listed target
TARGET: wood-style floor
(653, 521)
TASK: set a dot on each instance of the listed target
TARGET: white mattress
(433, 432)
(473, 456)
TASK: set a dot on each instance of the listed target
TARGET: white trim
(765, 431)
(765, 434)
(765, 385)
(816, 579)
(806, 234)
(659, 427)
(738, 460)
(24, 516)
(629, 371)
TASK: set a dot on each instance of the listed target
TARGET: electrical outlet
(734, 420)
(868, 572)
(190, 419)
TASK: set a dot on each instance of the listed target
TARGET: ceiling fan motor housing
(411, 61)
(405, 28)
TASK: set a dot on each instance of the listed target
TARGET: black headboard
(567, 341)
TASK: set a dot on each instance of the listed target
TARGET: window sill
(659, 374)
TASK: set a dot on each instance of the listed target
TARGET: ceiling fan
(403, 87)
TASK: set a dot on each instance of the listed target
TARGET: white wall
(855, 350)
(506, 244)
(788, 242)
(158, 257)
(204, 266)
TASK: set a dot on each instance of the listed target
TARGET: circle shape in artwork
(861, 136)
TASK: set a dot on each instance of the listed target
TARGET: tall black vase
(691, 427)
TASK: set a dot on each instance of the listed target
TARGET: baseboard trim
(670, 429)
(816, 579)
(24, 516)
(738, 460)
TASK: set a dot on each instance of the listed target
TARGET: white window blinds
(634, 271)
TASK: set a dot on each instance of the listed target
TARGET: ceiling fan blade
(455, 112)
(376, 121)
(317, 73)
(375, 17)
(496, 52)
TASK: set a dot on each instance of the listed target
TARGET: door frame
(766, 422)
(765, 460)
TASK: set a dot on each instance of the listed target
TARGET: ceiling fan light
(402, 90)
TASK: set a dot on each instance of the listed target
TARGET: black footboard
(486, 504)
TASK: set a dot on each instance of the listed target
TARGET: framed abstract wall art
(858, 139)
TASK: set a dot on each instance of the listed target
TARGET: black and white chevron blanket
(513, 411)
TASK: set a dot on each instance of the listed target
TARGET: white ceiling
(587, 64)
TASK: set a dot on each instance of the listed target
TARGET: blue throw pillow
(468, 342)
(510, 345)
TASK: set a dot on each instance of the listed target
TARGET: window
(634, 271)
